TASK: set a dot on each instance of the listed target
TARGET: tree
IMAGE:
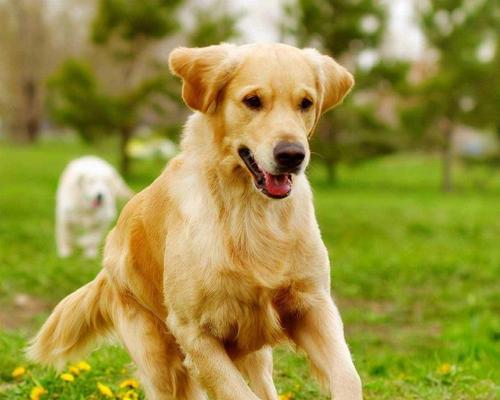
(77, 100)
(141, 86)
(23, 37)
(344, 29)
(464, 89)
(33, 40)
(213, 27)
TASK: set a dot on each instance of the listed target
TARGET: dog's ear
(334, 80)
(204, 72)
(338, 83)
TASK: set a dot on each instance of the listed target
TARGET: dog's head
(265, 101)
(100, 186)
(95, 189)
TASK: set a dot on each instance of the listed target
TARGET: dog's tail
(76, 322)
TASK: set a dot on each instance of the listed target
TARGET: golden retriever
(221, 257)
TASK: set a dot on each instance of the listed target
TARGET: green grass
(415, 273)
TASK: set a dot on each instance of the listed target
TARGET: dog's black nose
(289, 155)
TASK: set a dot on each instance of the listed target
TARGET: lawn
(415, 273)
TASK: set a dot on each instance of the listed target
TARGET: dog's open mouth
(274, 186)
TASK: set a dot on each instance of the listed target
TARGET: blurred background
(405, 172)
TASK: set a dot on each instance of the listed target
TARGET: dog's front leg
(89, 242)
(320, 333)
(258, 368)
(207, 358)
(63, 236)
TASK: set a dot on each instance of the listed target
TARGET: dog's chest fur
(245, 322)
(254, 278)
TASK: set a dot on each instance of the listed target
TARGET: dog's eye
(253, 102)
(305, 104)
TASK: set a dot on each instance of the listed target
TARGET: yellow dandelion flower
(129, 383)
(18, 372)
(130, 395)
(105, 390)
(444, 369)
(286, 396)
(37, 392)
(83, 366)
(73, 369)
(67, 377)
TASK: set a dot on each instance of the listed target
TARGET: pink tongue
(277, 185)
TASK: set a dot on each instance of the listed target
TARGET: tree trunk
(32, 115)
(125, 135)
(331, 171)
(23, 120)
(447, 156)
(24, 42)
(326, 144)
(138, 46)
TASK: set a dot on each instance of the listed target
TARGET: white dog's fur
(86, 204)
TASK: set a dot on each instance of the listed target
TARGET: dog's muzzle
(275, 186)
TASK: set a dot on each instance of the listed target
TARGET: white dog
(86, 204)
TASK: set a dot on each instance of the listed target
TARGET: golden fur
(202, 273)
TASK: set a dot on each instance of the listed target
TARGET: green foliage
(464, 89)
(457, 29)
(152, 19)
(391, 74)
(213, 26)
(414, 273)
(74, 100)
(336, 24)
(364, 135)
(352, 134)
